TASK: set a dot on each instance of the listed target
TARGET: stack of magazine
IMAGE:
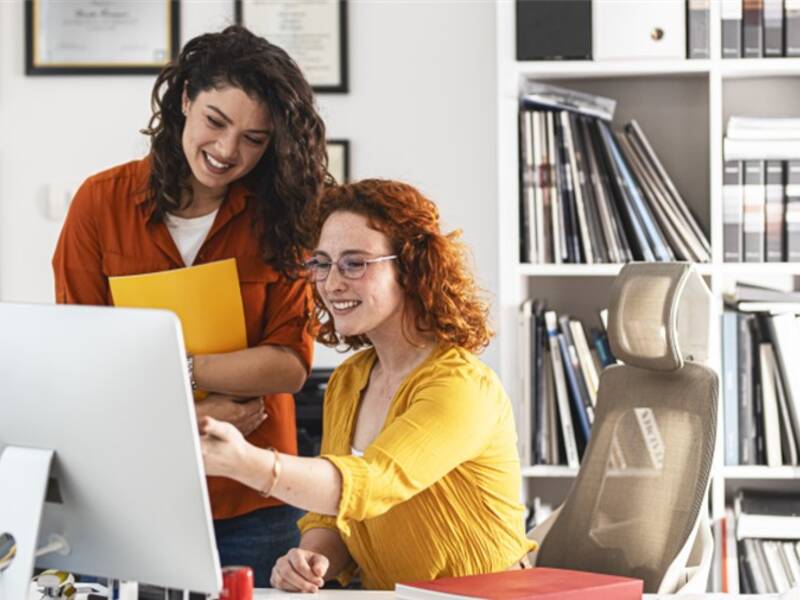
(761, 190)
(561, 367)
(592, 195)
(761, 382)
(758, 544)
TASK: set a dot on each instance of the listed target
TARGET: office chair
(638, 505)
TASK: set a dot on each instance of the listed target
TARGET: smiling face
(225, 135)
(373, 304)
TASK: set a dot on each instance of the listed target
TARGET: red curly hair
(432, 266)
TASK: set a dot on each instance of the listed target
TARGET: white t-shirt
(189, 234)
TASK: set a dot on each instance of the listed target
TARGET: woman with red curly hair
(419, 475)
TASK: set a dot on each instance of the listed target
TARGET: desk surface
(264, 594)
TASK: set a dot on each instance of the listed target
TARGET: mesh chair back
(644, 475)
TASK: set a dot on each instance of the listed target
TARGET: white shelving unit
(682, 106)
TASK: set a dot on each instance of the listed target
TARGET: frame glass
(100, 37)
(313, 33)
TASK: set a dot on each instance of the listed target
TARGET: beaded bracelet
(276, 473)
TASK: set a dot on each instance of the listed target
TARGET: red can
(237, 583)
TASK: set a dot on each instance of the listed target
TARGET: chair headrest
(660, 315)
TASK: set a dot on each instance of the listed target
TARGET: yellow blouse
(437, 492)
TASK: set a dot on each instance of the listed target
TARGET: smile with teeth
(215, 164)
(344, 305)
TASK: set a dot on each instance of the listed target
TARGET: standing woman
(236, 165)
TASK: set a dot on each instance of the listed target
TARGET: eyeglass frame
(313, 263)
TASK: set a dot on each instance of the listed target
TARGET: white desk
(263, 594)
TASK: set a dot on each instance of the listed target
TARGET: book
(792, 27)
(561, 393)
(754, 202)
(538, 583)
(730, 386)
(767, 515)
(792, 214)
(772, 431)
(637, 135)
(543, 95)
(752, 28)
(698, 21)
(528, 187)
(774, 229)
(732, 211)
(731, 12)
(773, 28)
(206, 298)
(761, 149)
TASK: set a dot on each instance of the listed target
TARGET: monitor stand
(23, 481)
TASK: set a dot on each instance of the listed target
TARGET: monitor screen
(106, 390)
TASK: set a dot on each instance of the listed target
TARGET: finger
(279, 583)
(217, 429)
(300, 562)
(319, 565)
(291, 577)
(249, 425)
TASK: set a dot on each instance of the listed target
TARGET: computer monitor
(107, 390)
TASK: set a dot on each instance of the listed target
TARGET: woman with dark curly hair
(235, 169)
(419, 476)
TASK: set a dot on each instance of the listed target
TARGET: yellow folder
(206, 298)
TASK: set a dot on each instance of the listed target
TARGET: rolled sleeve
(289, 304)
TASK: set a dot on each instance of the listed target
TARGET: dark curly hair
(432, 266)
(287, 182)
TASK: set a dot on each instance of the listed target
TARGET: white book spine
(772, 428)
(761, 150)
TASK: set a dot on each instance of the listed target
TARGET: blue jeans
(258, 539)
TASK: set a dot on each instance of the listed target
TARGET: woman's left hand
(224, 448)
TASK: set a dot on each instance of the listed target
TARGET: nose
(335, 281)
(227, 146)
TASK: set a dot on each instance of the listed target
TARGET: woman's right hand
(244, 414)
(300, 570)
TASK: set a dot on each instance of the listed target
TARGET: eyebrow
(227, 119)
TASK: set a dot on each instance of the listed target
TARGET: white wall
(421, 108)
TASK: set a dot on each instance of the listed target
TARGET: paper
(206, 298)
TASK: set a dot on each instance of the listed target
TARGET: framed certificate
(86, 37)
(339, 160)
(313, 32)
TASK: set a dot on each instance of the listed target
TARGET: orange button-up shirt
(109, 232)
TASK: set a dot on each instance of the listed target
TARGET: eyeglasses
(351, 267)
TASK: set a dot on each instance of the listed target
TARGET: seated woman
(419, 476)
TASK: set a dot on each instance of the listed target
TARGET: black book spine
(567, 197)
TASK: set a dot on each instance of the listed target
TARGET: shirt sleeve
(78, 259)
(448, 423)
(289, 305)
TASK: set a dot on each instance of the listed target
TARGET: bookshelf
(682, 106)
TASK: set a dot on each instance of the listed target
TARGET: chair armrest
(539, 532)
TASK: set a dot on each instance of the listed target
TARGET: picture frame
(313, 33)
(339, 160)
(81, 37)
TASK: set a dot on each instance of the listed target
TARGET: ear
(185, 100)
